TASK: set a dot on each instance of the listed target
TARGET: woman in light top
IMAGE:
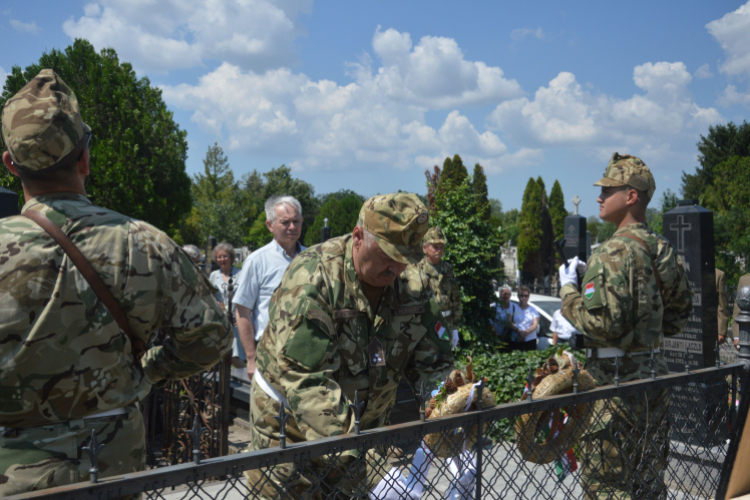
(225, 281)
(526, 320)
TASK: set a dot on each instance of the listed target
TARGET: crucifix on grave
(576, 241)
(325, 232)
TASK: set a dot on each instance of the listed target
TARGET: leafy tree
(218, 202)
(472, 249)
(546, 246)
(722, 142)
(479, 184)
(606, 230)
(729, 198)
(138, 152)
(530, 227)
(342, 214)
(510, 226)
(258, 235)
(557, 210)
(655, 216)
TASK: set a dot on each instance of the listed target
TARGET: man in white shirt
(262, 272)
(562, 330)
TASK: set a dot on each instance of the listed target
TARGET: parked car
(546, 306)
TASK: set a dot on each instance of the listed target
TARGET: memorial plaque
(690, 228)
(8, 203)
(575, 237)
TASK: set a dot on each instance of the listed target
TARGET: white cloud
(521, 33)
(3, 76)
(703, 72)
(433, 74)
(565, 114)
(320, 124)
(30, 28)
(162, 35)
(733, 33)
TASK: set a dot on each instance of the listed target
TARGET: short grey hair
(223, 247)
(367, 236)
(275, 201)
(193, 252)
(506, 287)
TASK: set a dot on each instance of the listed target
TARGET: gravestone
(575, 234)
(8, 203)
(690, 228)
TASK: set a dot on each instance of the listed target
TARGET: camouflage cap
(42, 124)
(398, 221)
(434, 235)
(626, 170)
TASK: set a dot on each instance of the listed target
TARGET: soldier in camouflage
(634, 293)
(66, 368)
(440, 279)
(343, 321)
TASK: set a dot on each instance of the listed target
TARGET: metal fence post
(743, 322)
(480, 439)
(92, 450)
(195, 435)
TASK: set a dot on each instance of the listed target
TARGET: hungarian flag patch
(441, 331)
(589, 291)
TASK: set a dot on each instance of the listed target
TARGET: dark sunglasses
(524, 295)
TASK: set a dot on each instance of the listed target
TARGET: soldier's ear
(358, 235)
(9, 163)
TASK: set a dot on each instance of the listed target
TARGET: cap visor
(401, 254)
(606, 181)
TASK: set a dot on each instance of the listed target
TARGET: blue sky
(367, 95)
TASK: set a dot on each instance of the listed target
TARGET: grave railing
(518, 456)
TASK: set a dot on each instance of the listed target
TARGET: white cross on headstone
(325, 222)
(576, 201)
(681, 227)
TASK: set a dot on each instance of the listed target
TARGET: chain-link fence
(664, 437)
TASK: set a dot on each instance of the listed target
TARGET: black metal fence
(587, 444)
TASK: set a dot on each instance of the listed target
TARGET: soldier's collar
(631, 227)
(45, 199)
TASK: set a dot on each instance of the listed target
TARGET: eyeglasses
(86, 146)
(523, 295)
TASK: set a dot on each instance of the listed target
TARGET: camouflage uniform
(621, 306)
(63, 358)
(441, 280)
(324, 342)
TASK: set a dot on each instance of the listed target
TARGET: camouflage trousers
(349, 474)
(48, 456)
(625, 451)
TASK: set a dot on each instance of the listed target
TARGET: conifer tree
(530, 226)
(557, 210)
(479, 185)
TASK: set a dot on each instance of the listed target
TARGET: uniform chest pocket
(404, 334)
(352, 343)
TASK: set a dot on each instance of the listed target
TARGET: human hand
(722, 339)
(454, 340)
(569, 274)
(392, 487)
(250, 368)
(581, 267)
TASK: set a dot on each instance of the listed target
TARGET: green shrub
(506, 374)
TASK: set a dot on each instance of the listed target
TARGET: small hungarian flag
(590, 291)
(441, 331)
(566, 465)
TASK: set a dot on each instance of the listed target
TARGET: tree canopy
(557, 210)
(342, 213)
(479, 185)
(137, 153)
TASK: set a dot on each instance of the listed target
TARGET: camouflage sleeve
(678, 295)
(308, 359)
(432, 359)
(165, 290)
(600, 309)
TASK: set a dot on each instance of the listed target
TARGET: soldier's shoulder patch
(592, 290)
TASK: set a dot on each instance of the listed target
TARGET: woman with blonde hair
(225, 281)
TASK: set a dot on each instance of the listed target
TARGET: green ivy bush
(506, 374)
